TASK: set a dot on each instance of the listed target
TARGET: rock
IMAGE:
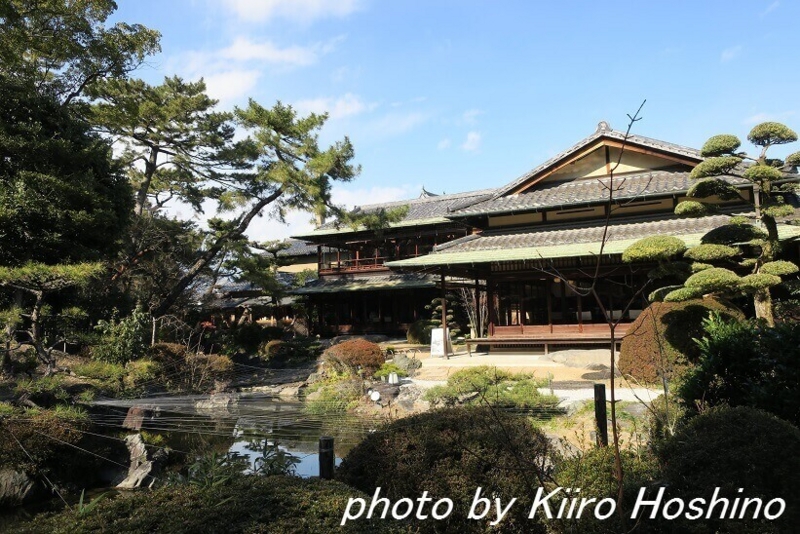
(17, 488)
(143, 467)
(291, 391)
(409, 398)
(217, 402)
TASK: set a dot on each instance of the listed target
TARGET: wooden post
(600, 418)
(326, 458)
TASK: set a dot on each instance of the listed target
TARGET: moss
(771, 133)
(720, 145)
(654, 248)
(711, 252)
(779, 268)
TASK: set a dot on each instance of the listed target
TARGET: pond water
(199, 424)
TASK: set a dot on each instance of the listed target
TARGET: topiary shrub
(450, 453)
(263, 505)
(419, 332)
(355, 355)
(732, 448)
(660, 343)
(743, 363)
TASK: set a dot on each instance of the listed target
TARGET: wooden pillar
(550, 304)
(478, 325)
(490, 303)
(444, 305)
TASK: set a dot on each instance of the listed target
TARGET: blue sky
(456, 95)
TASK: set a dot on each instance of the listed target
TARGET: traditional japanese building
(529, 245)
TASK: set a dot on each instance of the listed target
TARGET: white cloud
(232, 85)
(243, 49)
(472, 143)
(470, 116)
(344, 106)
(444, 144)
(770, 8)
(730, 53)
(304, 11)
(765, 117)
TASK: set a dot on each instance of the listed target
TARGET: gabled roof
(602, 135)
(423, 210)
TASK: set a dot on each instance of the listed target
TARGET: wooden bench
(545, 340)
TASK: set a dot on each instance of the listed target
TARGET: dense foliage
(263, 505)
(355, 355)
(449, 453)
(743, 363)
(659, 344)
(734, 448)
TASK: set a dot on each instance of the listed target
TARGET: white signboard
(440, 342)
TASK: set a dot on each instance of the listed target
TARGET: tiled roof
(298, 248)
(575, 192)
(366, 283)
(424, 210)
(574, 241)
(603, 130)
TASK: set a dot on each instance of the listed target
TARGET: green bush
(355, 355)
(449, 453)
(252, 505)
(593, 472)
(123, 340)
(419, 332)
(660, 343)
(734, 448)
(743, 363)
(389, 368)
(44, 391)
(337, 393)
(490, 385)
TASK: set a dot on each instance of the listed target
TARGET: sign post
(440, 342)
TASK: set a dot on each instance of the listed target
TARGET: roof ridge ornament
(427, 194)
(603, 127)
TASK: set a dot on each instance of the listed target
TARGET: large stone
(17, 488)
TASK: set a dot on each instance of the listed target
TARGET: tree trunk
(208, 256)
(36, 334)
(762, 301)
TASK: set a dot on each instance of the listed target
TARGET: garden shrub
(660, 343)
(593, 472)
(389, 368)
(743, 363)
(336, 393)
(246, 504)
(169, 355)
(419, 332)
(449, 453)
(123, 340)
(355, 355)
(734, 448)
(490, 385)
